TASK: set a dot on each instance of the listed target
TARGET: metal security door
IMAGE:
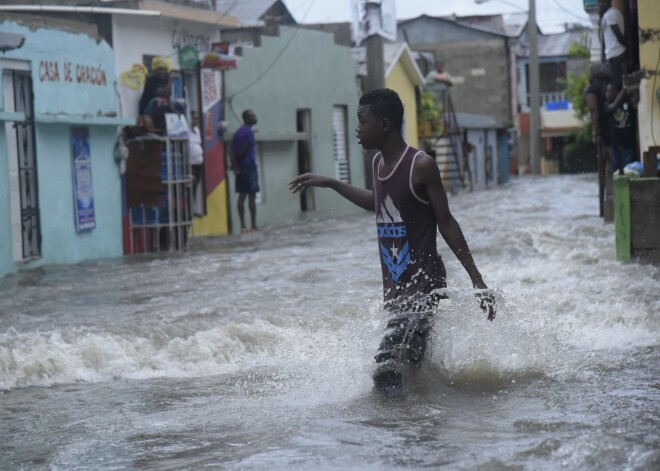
(24, 147)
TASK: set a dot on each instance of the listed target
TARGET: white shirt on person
(196, 149)
(613, 48)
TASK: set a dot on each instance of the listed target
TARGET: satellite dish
(373, 17)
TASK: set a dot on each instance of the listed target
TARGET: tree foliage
(576, 83)
(579, 51)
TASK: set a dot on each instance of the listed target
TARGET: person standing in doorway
(411, 206)
(196, 153)
(244, 165)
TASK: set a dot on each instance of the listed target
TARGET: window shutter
(339, 132)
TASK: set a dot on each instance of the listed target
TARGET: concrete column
(534, 92)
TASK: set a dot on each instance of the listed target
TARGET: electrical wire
(566, 10)
(270, 66)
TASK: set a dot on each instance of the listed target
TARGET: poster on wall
(83, 191)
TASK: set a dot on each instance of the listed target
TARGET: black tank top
(407, 231)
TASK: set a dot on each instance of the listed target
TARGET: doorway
(21, 150)
(304, 125)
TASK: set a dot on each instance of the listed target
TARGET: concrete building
(60, 188)
(477, 59)
(404, 77)
(557, 116)
(648, 111)
(175, 28)
(486, 150)
(137, 31)
(304, 89)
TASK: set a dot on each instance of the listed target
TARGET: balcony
(545, 98)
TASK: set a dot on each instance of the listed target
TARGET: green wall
(61, 243)
(85, 96)
(312, 73)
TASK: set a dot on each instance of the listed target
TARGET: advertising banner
(83, 190)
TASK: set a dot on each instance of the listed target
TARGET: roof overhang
(404, 55)
(143, 8)
(196, 15)
(77, 9)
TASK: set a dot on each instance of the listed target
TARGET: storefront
(60, 192)
(137, 40)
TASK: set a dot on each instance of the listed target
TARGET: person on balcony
(613, 40)
(155, 99)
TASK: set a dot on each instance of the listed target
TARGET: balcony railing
(549, 97)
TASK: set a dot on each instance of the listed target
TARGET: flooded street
(256, 352)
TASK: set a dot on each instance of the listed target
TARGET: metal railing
(548, 97)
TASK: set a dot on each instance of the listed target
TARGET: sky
(551, 15)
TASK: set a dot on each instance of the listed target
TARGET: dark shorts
(247, 181)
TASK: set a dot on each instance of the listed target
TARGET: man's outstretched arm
(358, 196)
(428, 178)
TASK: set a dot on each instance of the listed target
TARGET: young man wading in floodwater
(410, 202)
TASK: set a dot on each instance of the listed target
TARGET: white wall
(135, 36)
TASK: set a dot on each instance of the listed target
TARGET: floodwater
(256, 352)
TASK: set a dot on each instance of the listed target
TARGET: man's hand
(301, 182)
(487, 303)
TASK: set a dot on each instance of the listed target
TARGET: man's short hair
(384, 103)
(245, 115)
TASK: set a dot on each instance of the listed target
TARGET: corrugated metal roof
(552, 45)
(249, 12)
(453, 19)
(514, 24)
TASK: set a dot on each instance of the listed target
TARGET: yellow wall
(399, 81)
(215, 222)
(649, 19)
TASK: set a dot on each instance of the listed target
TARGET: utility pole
(375, 63)
(374, 46)
(534, 92)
